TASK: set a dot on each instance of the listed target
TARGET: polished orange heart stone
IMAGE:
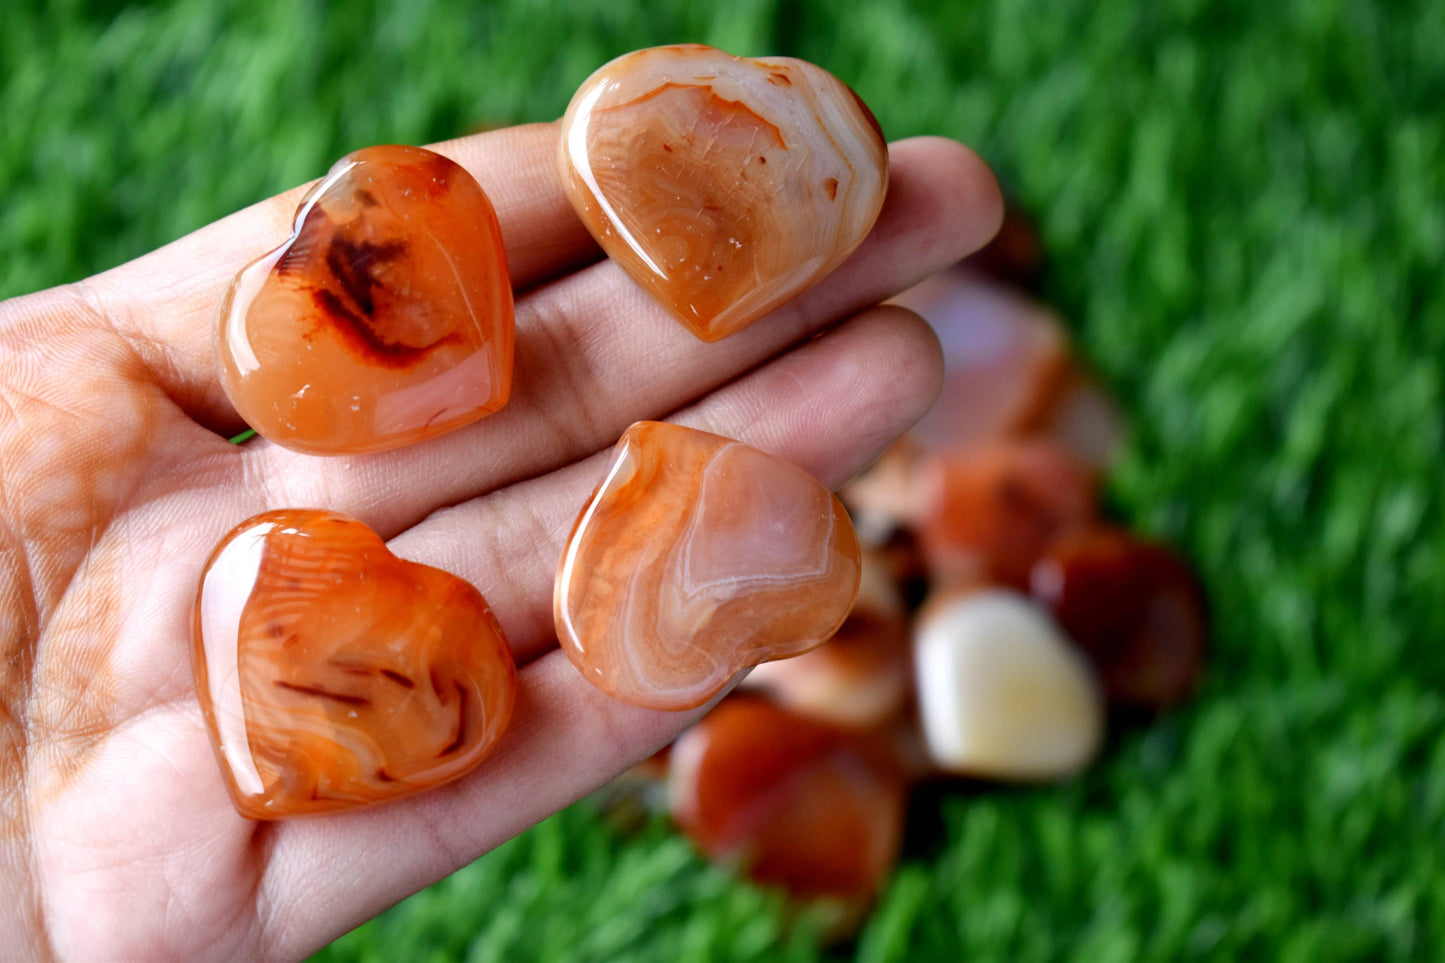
(697, 557)
(796, 803)
(333, 674)
(386, 318)
(1134, 607)
(988, 513)
(724, 186)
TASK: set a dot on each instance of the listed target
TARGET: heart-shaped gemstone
(386, 318)
(988, 513)
(724, 186)
(1133, 606)
(333, 674)
(697, 557)
(793, 802)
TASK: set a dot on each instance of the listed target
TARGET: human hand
(117, 837)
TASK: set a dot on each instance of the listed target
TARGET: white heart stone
(1002, 694)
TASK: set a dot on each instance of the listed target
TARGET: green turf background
(1242, 202)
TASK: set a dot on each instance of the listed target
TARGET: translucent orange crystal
(697, 557)
(724, 186)
(988, 513)
(794, 802)
(385, 319)
(333, 674)
(1133, 606)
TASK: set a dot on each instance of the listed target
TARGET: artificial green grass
(1244, 208)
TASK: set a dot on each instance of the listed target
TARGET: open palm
(117, 837)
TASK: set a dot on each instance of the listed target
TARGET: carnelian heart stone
(386, 318)
(794, 802)
(697, 557)
(724, 186)
(1134, 607)
(988, 513)
(333, 674)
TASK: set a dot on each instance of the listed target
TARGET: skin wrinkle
(47, 572)
(262, 902)
(22, 615)
(63, 646)
(487, 555)
(33, 604)
(16, 673)
(53, 432)
(20, 857)
(75, 684)
(295, 488)
(555, 366)
(438, 831)
(150, 353)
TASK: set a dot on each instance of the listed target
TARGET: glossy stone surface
(724, 186)
(697, 557)
(333, 674)
(1001, 692)
(385, 319)
(990, 512)
(1134, 607)
(861, 676)
(789, 801)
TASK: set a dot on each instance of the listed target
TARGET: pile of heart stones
(978, 619)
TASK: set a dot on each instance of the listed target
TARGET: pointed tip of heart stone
(724, 186)
(386, 318)
(860, 677)
(697, 557)
(333, 674)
